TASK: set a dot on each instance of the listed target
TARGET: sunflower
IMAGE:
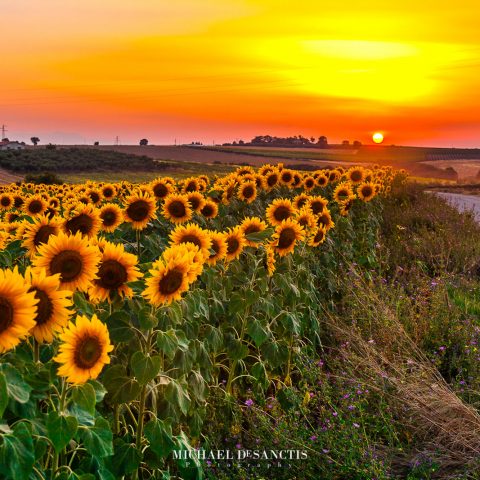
(218, 246)
(194, 234)
(260, 182)
(84, 219)
(300, 200)
(270, 260)
(280, 209)
(84, 349)
(38, 232)
(72, 257)
(161, 188)
(177, 208)
(356, 174)
(317, 236)
(322, 180)
(342, 192)
(210, 209)
(252, 225)
(235, 241)
(52, 307)
(333, 175)
(17, 309)
(115, 270)
(185, 251)
(111, 216)
(140, 209)
(317, 204)
(6, 201)
(286, 177)
(109, 191)
(297, 180)
(247, 191)
(167, 282)
(12, 217)
(325, 220)
(345, 206)
(34, 205)
(95, 196)
(309, 183)
(228, 192)
(18, 201)
(366, 191)
(196, 201)
(271, 179)
(286, 236)
(306, 218)
(190, 185)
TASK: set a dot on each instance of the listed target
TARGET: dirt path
(7, 177)
(464, 203)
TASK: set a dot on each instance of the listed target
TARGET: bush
(47, 178)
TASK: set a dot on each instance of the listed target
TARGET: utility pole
(4, 129)
(116, 140)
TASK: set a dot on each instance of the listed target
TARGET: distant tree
(143, 142)
(345, 142)
(97, 144)
(312, 139)
(51, 146)
(35, 140)
(322, 141)
(241, 142)
(357, 143)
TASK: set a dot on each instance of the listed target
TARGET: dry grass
(385, 357)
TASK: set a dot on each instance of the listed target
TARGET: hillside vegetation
(76, 160)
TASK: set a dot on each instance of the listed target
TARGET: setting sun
(377, 137)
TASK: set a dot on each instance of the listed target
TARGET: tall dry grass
(383, 355)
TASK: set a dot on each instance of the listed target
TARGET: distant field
(466, 168)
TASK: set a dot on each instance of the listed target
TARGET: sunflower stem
(36, 351)
(138, 243)
(141, 410)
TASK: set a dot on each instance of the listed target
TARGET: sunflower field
(133, 316)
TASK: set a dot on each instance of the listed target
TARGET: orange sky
(219, 70)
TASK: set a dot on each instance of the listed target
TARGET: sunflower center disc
(160, 190)
(87, 353)
(138, 211)
(248, 192)
(317, 207)
(287, 237)
(82, 223)
(68, 264)
(366, 191)
(177, 209)
(108, 217)
(5, 201)
(6, 314)
(192, 239)
(35, 206)
(112, 275)
(232, 245)
(251, 229)
(272, 180)
(194, 202)
(281, 213)
(171, 282)
(207, 210)
(44, 306)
